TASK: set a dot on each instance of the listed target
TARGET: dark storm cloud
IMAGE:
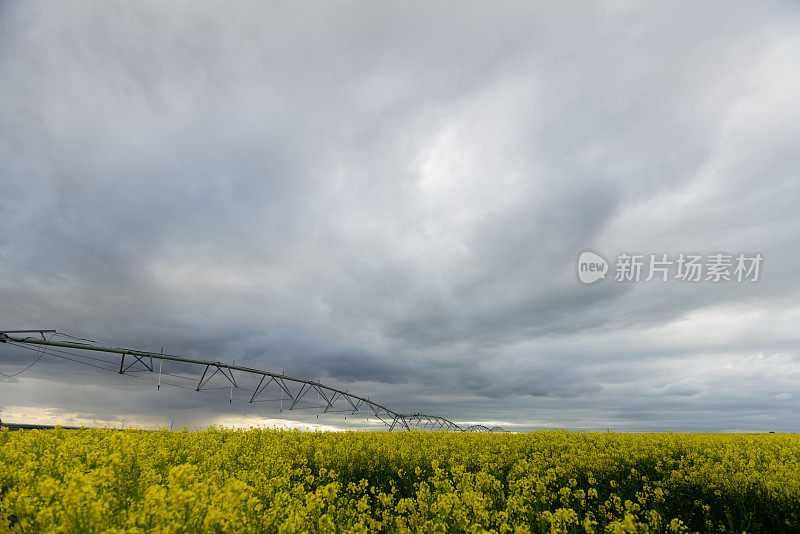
(392, 200)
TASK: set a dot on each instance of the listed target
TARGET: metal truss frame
(329, 399)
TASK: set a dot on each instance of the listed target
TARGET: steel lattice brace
(354, 404)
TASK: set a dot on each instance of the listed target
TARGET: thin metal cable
(40, 353)
(49, 351)
(76, 338)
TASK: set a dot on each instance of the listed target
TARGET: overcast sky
(392, 198)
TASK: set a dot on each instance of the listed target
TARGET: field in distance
(289, 481)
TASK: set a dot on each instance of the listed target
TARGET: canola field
(288, 481)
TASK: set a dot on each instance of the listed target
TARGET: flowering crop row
(288, 481)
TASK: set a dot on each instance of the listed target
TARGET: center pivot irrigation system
(294, 392)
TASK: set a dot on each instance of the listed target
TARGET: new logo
(591, 267)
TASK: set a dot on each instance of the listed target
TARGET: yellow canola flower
(220, 480)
